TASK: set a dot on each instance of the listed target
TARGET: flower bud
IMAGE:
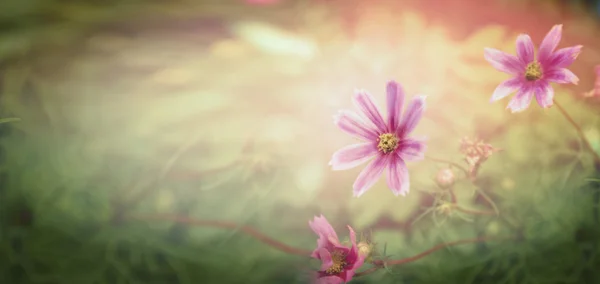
(445, 178)
(364, 249)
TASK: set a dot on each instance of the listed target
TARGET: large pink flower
(338, 263)
(532, 74)
(387, 141)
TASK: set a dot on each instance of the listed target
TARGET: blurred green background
(221, 110)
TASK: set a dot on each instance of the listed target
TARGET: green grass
(194, 118)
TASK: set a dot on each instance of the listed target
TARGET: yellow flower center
(339, 262)
(388, 142)
(533, 71)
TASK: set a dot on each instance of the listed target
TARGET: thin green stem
(378, 264)
(489, 200)
(125, 206)
(473, 211)
(9, 119)
(381, 263)
(449, 163)
(580, 132)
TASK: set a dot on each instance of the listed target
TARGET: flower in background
(387, 141)
(338, 262)
(476, 153)
(533, 74)
(595, 92)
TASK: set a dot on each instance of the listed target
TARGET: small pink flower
(595, 92)
(387, 141)
(532, 74)
(338, 263)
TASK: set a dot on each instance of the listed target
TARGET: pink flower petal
(564, 57)
(353, 253)
(352, 124)
(549, 43)
(326, 260)
(544, 94)
(352, 156)
(349, 274)
(369, 175)
(506, 88)
(561, 76)
(503, 61)
(521, 100)
(397, 178)
(412, 116)
(352, 236)
(320, 225)
(330, 280)
(395, 102)
(365, 103)
(326, 233)
(525, 49)
(412, 150)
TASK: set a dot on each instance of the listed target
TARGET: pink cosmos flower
(532, 74)
(338, 263)
(387, 141)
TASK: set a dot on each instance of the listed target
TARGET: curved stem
(586, 142)
(449, 163)
(124, 206)
(224, 225)
(453, 198)
(381, 263)
(488, 200)
(297, 251)
(471, 177)
(121, 208)
(472, 211)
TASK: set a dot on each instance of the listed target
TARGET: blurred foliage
(222, 111)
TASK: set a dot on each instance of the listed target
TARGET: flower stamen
(533, 71)
(388, 142)
(339, 262)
